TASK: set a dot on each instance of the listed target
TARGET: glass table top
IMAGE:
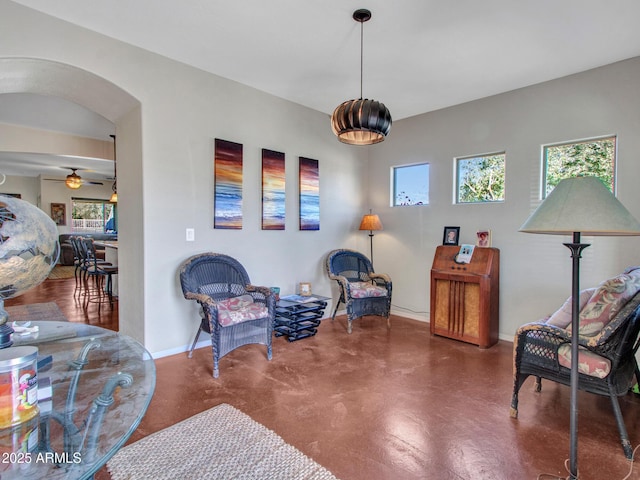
(102, 383)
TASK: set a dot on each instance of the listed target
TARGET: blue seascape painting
(273, 190)
(309, 194)
(228, 185)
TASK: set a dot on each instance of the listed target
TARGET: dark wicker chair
(536, 353)
(212, 280)
(352, 270)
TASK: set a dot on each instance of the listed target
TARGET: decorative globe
(29, 250)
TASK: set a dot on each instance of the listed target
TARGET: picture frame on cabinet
(451, 236)
(483, 238)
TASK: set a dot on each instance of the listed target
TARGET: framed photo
(483, 238)
(451, 235)
(305, 289)
(59, 213)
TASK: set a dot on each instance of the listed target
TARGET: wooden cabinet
(465, 297)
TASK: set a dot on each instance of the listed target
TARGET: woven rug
(35, 312)
(61, 272)
(219, 443)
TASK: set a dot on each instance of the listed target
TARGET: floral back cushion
(562, 317)
(607, 301)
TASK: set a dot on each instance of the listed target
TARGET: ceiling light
(361, 121)
(73, 180)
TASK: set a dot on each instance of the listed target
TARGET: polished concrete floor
(394, 404)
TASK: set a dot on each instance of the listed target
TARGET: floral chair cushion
(607, 301)
(366, 289)
(562, 317)
(240, 309)
(589, 363)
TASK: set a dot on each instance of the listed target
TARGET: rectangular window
(480, 178)
(410, 185)
(595, 157)
(96, 216)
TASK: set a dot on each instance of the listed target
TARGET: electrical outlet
(191, 235)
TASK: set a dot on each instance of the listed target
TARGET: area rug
(35, 312)
(219, 443)
(60, 272)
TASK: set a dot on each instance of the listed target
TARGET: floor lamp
(580, 205)
(372, 223)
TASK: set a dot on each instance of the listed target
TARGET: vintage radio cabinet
(465, 297)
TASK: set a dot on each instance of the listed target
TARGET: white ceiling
(419, 55)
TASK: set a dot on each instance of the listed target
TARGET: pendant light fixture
(361, 121)
(73, 180)
(114, 195)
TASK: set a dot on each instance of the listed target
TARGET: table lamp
(579, 205)
(372, 223)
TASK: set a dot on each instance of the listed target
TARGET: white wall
(165, 184)
(27, 187)
(535, 269)
(165, 173)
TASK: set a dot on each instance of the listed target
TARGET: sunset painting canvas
(273, 190)
(309, 194)
(228, 185)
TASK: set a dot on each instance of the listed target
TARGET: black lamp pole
(576, 249)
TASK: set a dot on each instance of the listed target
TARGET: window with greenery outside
(480, 178)
(595, 157)
(97, 216)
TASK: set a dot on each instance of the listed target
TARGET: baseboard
(181, 349)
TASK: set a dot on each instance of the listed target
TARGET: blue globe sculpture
(29, 250)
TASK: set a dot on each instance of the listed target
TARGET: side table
(299, 319)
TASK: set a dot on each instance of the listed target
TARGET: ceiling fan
(73, 180)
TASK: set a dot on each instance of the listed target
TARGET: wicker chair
(363, 291)
(536, 352)
(234, 312)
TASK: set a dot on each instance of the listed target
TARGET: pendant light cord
(361, 55)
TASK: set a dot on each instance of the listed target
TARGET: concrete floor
(386, 404)
(398, 404)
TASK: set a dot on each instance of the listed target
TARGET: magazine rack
(465, 296)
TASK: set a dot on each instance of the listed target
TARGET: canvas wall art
(273, 190)
(227, 185)
(309, 194)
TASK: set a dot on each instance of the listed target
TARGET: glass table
(101, 383)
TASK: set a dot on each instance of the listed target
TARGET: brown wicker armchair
(234, 312)
(363, 291)
(540, 349)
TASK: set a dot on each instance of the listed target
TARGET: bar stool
(95, 271)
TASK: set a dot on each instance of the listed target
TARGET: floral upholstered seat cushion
(607, 301)
(366, 289)
(589, 363)
(240, 309)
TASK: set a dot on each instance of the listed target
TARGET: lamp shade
(361, 122)
(371, 222)
(581, 204)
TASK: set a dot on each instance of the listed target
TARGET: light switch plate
(191, 235)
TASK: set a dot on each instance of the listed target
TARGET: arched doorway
(44, 77)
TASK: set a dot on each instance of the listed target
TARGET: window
(596, 157)
(480, 178)
(410, 185)
(89, 215)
